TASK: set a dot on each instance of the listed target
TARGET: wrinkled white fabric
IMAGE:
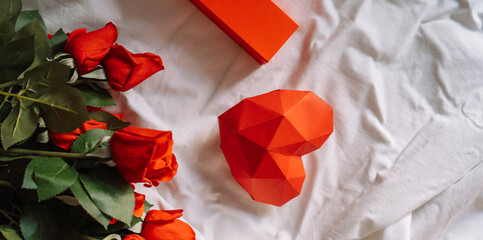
(405, 79)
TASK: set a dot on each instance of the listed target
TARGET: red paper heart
(264, 137)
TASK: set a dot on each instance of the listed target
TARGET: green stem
(5, 99)
(6, 184)
(85, 237)
(16, 208)
(9, 218)
(44, 153)
(10, 84)
(12, 214)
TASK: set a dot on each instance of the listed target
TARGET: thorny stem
(10, 84)
(9, 217)
(44, 153)
(5, 99)
(5, 183)
(85, 237)
(16, 208)
(12, 214)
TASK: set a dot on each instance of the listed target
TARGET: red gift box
(259, 26)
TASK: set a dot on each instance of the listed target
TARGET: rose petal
(139, 204)
(164, 225)
(133, 237)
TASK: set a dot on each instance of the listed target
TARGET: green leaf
(10, 9)
(28, 178)
(57, 42)
(9, 233)
(16, 57)
(38, 224)
(97, 98)
(112, 122)
(147, 206)
(69, 200)
(89, 141)
(96, 87)
(41, 42)
(53, 176)
(110, 192)
(135, 220)
(86, 202)
(45, 77)
(20, 123)
(63, 109)
(10, 158)
(50, 176)
(28, 16)
(4, 111)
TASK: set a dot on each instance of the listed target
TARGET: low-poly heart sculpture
(264, 137)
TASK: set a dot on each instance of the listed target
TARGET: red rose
(133, 237)
(139, 204)
(164, 225)
(65, 140)
(125, 70)
(144, 155)
(88, 49)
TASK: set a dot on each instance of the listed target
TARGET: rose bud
(125, 70)
(88, 49)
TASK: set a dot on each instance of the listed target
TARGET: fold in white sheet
(429, 165)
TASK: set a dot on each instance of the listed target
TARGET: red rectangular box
(259, 26)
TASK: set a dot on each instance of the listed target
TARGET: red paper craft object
(264, 137)
(259, 26)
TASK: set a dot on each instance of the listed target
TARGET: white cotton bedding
(405, 79)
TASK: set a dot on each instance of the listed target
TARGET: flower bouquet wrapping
(67, 166)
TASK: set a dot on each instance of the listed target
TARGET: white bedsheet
(405, 79)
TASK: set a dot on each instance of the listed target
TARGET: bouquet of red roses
(67, 167)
